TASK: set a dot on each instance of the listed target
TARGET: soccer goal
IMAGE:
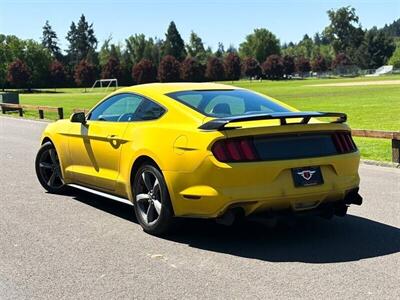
(105, 83)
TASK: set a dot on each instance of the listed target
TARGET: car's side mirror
(78, 117)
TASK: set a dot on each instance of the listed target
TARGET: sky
(226, 21)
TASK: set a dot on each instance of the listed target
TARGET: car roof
(165, 88)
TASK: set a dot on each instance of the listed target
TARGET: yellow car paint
(101, 155)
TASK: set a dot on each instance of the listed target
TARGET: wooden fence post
(60, 111)
(21, 112)
(396, 151)
(41, 114)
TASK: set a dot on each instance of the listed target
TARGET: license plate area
(307, 176)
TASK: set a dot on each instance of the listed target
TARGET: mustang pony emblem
(306, 174)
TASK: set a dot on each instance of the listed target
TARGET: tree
(144, 72)
(288, 65)
(57, 74)
(344, 31)
(303, 65)
(174, 44)
(319, 64)
(251, 67)
(215, 69)
(375, 50)
(273, 67)
(82, 40)
(395, 59)
(195, 48)
(220, 51)
(393, 29)
(85, 74)
(137, 46)
(192, 70)
(112, 69)
(260, 44)
(18, 74)
(233, 66)
(50, 41)
(168, 70)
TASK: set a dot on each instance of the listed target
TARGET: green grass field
(367, 106)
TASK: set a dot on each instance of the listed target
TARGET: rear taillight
(343, 142)
(234, 150)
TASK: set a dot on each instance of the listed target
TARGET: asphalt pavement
(81, 246)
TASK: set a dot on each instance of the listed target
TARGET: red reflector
(247, 150)
(233, 150)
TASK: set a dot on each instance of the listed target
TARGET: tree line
(343, 43)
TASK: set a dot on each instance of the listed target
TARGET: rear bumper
(214, 187)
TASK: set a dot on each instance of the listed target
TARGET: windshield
(227, 103)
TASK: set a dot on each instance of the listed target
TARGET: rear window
(227, 103)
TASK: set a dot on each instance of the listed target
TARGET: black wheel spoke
(52, 178)
(53, 156)
(45, 165)
(49, 168)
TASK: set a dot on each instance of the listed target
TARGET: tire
(152, 202)
(48, 169)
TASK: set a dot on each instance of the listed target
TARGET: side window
(118, 108)
(148, 110)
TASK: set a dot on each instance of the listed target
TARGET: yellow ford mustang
(203, 150)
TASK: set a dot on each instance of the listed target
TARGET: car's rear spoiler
(220, 123)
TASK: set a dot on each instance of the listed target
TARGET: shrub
(273, 67)
(144, 72)
(251, 67)
(319, 64)
(288, 65)
(192, 70)
(85, 74)
(58, 75)
(215, 69)
(112, 69)
(168, 70)
(232, 65)
(18, 74)
(303, 65)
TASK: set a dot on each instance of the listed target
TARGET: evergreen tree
(50, 41)
(174, 44)
(82, 41)
(220, 51)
